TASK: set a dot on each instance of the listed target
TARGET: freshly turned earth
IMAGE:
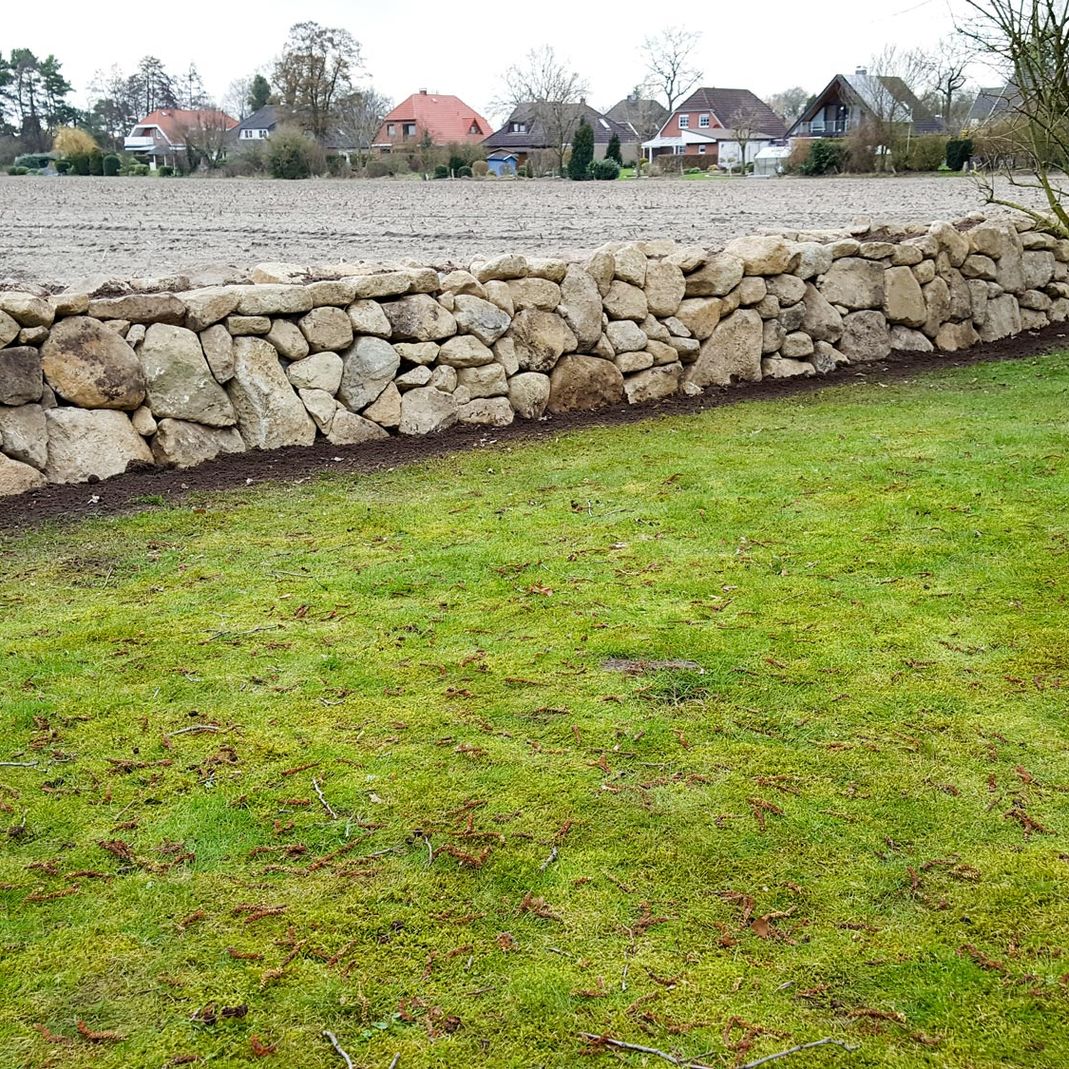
(65, 229)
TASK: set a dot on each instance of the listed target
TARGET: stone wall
(91, 382)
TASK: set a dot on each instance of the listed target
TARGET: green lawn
(846, 819)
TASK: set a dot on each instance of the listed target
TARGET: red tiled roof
(445, 118)
(175, 121)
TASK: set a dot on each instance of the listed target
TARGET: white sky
(464, 46)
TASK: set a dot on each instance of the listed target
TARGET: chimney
(423, 92)
(862, 70)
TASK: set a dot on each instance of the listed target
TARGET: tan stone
(733, 351)
(91, 366)
(541, 338)
(584, 383)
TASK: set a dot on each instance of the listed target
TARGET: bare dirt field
(65, 229)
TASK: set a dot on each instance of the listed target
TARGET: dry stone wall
(92, 382)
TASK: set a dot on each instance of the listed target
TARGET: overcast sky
(464, 46)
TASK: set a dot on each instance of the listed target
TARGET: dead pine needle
(338, 1049)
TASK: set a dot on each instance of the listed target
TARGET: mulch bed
(145, 486)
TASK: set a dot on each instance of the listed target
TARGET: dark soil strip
(147, 486)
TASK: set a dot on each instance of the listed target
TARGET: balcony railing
(138, 144)
(825, 128)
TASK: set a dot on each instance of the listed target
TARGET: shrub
(480, 168)
(959, 151)
(18, 170)
(96, 163)
(441, 171)
(111, 165)
(613, 150)
(824, 155)
(63, 166)
(80, 163)
(582, 152)
(291, 154)
(377, 169)
(606, 170)
(464, 172)
(33, 161)
(138, 170)
(166, 171)
(924, 153)
(70, 141)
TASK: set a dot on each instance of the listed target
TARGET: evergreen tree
(613, 151)
(582, 152)
(259, 93)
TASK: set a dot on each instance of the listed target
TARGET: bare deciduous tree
(668, 64)
(947, 77)
(315, 70)
(790, 103)
(1028, 40)
(544, 92)
(891, 111)
(236, 98)
(745, 125)
(359, 116)
(206, 140)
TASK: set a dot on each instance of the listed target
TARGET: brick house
(705, 128)
(441, 120)
(159, 139)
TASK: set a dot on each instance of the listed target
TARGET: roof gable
(444, 117)
(174, 122)
(535, 136)
(726, 104)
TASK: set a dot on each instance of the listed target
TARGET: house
(849, 102)
(530, 131)
(503, 163)
(645, 117)
(993, 106)
(433, 119)
(160, 138)
(718, 127)
(256, 127)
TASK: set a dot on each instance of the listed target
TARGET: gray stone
(826, 358)
(773, 337)
(955, 336)
(367, 317)
(369, 365)
(718, 276)
(624, 301)
(326, 329)
(581, 306)
(629, 265)
(486, 411)
(584, 383)
(24, 434)
(288, 339)
(91, 366)
(180, 444)
(665, 287)
(240, 325)
(21, 380)
(218, 345)
(501, 268)
(427, 411)
(662, 352)
(270, 414)
(486, 381)
(854, 283)
(534, 293)
(205, 307)
(419, 318)
(796, 345)
(937, 300)
(529, 394)
(903, 298)
(385, 410)
(321, 406)
(272, 300)
(1038, 267)
(140, 308)
(654, 384)
(418, 352)
(813, 259)
(465, 350)
(951, 241)
(626, 336)
(9, 329)
(482, 319)
(865, 336)
(541, 338)
(700, 315)
(906, 340)
(443, 378)
(819, 320)
(178, 381)
(347, 428)
(499, 295)
(322, 371)
(458, 282)
(27, 309)
(420, 375)
(17, 478)
(978, 266)
(778, 368)
(144, 421)
(1003, 318)
(91, 443)
(733, 351)
(762, 254)
(788, 289)
(628, 362)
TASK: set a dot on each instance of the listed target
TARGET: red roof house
(443, 120)
(161, 136)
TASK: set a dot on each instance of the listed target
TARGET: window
(391, 129)
(246, 134)
(684, 121)
(701, 150)
(474, 128)
(703, 120)
(262, 134)
(409, 129)
(517, 127)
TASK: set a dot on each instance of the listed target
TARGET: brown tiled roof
(536, 137)
(445, 118)
(174, 122)
(725, 104)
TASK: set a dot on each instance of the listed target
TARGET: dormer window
(474, 128)
(517, 127)
(684, 122)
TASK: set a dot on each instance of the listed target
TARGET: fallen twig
(19, 764)
(333, 1039)
(248, 631)
(549, 860)
(194, 729)
(827, 1041)
(326, 804)
(395, 1060)
(619, 1044)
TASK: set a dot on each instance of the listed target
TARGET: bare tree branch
(668, 64)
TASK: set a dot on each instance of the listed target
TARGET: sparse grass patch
(352, 754)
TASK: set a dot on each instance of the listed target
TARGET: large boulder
(762, 254)
(88, 444)
(326, 329)
(369, 366)
(140, 308)
(534, 292)
(624, 301)
(486, 412)
(24, 434)
(1003, 318)
(419, 318)
(529, 394)
(581, 306)
(903, 300)
(820, 320)
(181, 444)
(854, 283)
(427, 411)
(91, 366)
(179, 382)
(17, 478)
(865, 336)
(21, 380)
(664, 286)
(732, 351)
(205, 307)
(654, 384)
(270, 414)
(367, 317)
(584, 383)
(480, 318)
(347, 428)
(27, 309)
(541, 339)
(218, 345)
(322, 371)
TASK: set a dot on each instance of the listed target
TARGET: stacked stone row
(91, 384)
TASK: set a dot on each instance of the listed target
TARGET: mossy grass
(356, 754)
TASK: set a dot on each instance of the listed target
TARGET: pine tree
(613, 151)
(259, 92)
(582, 152)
